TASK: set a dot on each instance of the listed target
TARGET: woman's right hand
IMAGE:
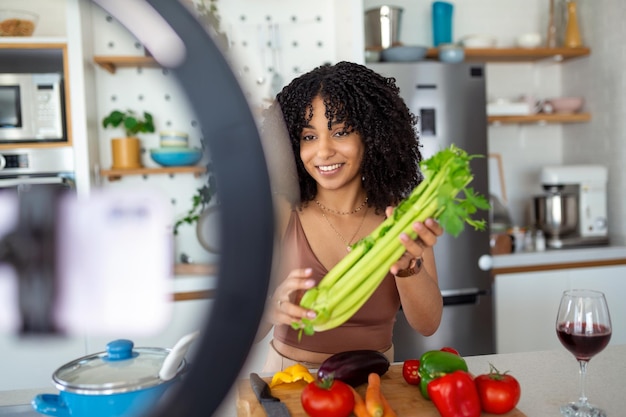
(282, 308)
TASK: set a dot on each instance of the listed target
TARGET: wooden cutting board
(405, 399)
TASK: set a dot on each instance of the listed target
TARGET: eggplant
(353, 366)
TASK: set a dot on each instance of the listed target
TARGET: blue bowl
(176, 157)
(403, 53)
(452, 54)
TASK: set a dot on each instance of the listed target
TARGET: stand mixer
(573, 212)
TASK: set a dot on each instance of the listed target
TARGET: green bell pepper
(436, 363)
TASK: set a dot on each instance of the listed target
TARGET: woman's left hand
(427, 234)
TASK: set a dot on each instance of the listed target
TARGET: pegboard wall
(270, 43)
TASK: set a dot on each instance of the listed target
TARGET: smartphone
(112, 268)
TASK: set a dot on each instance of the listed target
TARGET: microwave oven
(32, 108)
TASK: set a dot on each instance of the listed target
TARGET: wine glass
(583, 326)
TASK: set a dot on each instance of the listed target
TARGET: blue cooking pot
(120, 382)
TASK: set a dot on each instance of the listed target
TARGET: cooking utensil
(273, 406)
(176, 356)
(123, 381)
(382, 27)
(277, 82)
(556, 213)
(262, 50)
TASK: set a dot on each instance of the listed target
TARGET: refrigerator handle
(451, 298)
(485, 262)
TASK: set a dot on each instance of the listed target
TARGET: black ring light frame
(247, 218)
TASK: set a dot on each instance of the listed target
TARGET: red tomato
(450, 349)
(499, 393)
(327, 398)
(410, 371)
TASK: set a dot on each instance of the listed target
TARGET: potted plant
(199, 201)
(127, 150)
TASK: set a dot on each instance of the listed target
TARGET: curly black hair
(371, 105)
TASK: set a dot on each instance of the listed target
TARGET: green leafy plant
(130, 122)
(199, 201)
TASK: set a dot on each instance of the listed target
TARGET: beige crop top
(370, 328)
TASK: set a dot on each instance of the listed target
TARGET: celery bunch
(347, 286)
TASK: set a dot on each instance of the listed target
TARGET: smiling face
(331, 156)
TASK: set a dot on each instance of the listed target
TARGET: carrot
(373, 401)
(359, 405)
(387, 410)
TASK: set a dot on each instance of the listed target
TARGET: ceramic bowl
(173, 138)
(529, 40)
(17, 22)
(176, 157)
(451, 53)
(479, 41)
(403, 53)
(372, 56)
(566, 104)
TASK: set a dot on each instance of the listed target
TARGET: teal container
(442, 22)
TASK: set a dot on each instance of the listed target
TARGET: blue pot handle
(50, 404)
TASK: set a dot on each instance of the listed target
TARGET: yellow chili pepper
(290, 374)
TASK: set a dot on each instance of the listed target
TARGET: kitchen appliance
(450, 102)
(31, 108)
(21, 167)
(573, 210)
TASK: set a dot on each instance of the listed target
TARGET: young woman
(356, 156)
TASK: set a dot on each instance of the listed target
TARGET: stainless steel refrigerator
(450, 102)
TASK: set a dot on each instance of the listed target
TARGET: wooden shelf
(540, 118)
(517, 54)
(111, 63)
(117, 174)
(195, 269)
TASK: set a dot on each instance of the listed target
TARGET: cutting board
(405, 399)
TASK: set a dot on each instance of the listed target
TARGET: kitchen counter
(548, 379)
(614, 254)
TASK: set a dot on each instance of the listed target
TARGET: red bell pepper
(455, 395)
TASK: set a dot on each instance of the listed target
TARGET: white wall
(603, 80)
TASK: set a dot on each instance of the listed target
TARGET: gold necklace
(343, 213)
(348, 243)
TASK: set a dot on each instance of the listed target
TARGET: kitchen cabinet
(526, 304)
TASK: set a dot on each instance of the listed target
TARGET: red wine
(583, 345)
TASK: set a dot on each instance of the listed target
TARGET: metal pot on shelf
(382, 27)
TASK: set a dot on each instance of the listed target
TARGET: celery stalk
(443, 195)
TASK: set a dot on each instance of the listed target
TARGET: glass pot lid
(119, 369)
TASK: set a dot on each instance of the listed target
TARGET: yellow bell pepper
(290, 374)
